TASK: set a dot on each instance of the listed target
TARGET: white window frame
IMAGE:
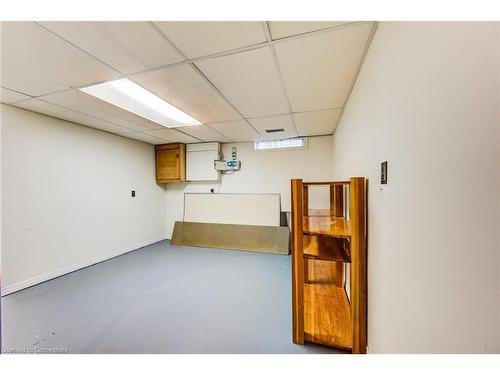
(283, 148)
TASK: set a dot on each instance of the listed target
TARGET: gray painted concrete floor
(160, 299)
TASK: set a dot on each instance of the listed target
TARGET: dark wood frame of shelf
(322, 247)
(322, 241)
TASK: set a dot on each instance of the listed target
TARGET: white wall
(66, 197)
(427, 101)
(262, 172)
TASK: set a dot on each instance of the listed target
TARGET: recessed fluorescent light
(130, 96)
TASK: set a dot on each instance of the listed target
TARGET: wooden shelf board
(319, 212)
(326, 248)
(327, 316)
(326, 183)
(327, 225)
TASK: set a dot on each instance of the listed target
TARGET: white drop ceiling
(249, 80)
(317, 122)
(284, 122)
(197, 39)
(9, 96)
(184, 87)
(238, 78)
(128, 47)
(282, 29)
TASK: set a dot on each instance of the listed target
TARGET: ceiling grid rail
(78, 48)
(121, 75)
(204, 77)
(247, 48)
(198, 59)
(267, 32)
(268, 43)
(109, 122)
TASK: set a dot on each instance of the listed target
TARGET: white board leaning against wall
(246, 209)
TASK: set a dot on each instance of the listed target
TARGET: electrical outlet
(133, 193)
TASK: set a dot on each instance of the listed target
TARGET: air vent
(274, 130)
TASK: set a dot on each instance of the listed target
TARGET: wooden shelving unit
(324, 242)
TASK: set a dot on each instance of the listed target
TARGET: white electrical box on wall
(200, 161)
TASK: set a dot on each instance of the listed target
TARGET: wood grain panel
(327, 316)
(305, 199)
(326, 183)
(257, 238)
(325, 225)
(327, 313)
(171, 163)
(358, 265)
(322, 246)
(337, 200)
(297, 264)
(326, 248)
(325, 272)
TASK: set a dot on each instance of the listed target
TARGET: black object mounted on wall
(383, 173)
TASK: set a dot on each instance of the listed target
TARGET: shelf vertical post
(337, 200)
(305, 200)
(357, 213)
(297, 262)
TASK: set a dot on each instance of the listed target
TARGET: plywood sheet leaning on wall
(265, 239)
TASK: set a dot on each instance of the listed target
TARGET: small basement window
(281, 143)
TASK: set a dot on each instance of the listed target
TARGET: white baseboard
(62, 271)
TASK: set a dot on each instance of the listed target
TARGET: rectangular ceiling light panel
(131, 97)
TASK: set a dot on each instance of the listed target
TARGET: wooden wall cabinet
(170, 163)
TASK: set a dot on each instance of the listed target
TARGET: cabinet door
(168, 164)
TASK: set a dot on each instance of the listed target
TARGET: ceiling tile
(184, 87)
(144, 138)
(282, 29)
(9, 96)
(37, 62)
(238, 131)
(171, 135)
(284, 122)
(89, 105)
(249, 80)
(53, 110)
(317, 122)
(126, 46)
(319, 70)
(205, 133)
(197, 39)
